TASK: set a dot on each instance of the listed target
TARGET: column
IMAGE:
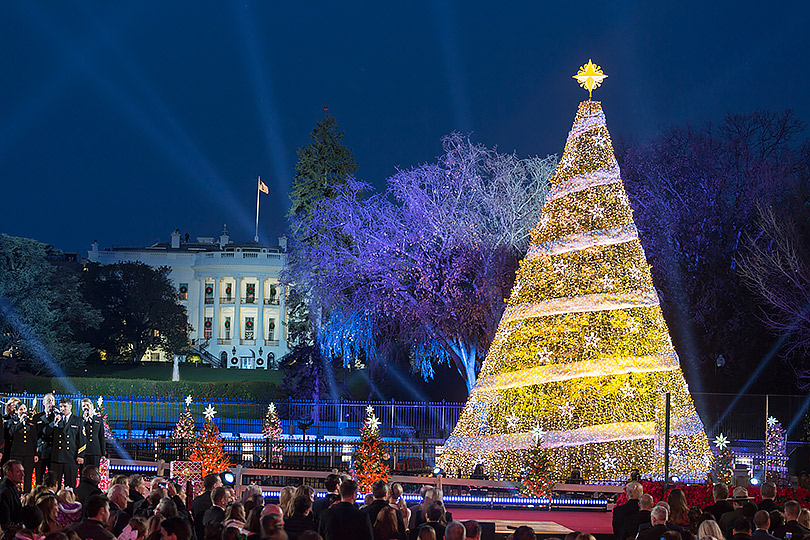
(215, 319)
(237, 315)
(201, 317)
(259, 327)
(281, 324)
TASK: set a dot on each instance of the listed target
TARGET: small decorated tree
(536, 482)
(721, 466)
(185, 428)
(100, 410)
(775, 448)
(272, 432)
(369, 459)
(207, 448)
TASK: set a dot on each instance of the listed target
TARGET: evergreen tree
(775, 448)
(322, 165)
(722, 462)
(207, 448)
(369, 459)
(272, 432)
(536, 482)
(108, 434)
(185, 428)
(582, 356)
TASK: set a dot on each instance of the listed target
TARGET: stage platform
(545, 523)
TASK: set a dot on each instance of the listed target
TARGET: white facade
(231, 292)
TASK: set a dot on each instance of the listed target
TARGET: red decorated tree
(207, 448)
(370, 457)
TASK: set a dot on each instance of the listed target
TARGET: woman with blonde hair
(398, 503)
(710, 528)
(285, 500)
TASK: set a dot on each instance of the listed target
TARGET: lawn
(188, 372)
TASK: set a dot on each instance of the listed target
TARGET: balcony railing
(271, 301)
(248, 299)
(226, 299)
(223, 341)
(271, 343)
(209, 300)
(247, 342)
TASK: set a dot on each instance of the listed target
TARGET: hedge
(259, 391)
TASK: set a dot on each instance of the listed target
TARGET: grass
(188, 372)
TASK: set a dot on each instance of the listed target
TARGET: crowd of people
(736, 517)
(53, 440)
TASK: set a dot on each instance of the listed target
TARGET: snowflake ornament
(597, 212)
(373, 423)
(544, 221)
(635, 272)
(369, 410)
(538, 433)
(628, 390)
(512, 422)
(566, 409)
(591, 340)
(209, 413)
(560, 267)
(720, 442)
(271, 408)
(543, 356)
(607, 281)
(188, 400)
(772, 421)
(608, 462)
(100, 401)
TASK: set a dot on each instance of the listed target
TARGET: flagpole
(258, 183)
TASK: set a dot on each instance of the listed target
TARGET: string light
(582, 331)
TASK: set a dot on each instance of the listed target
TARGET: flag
(263, 187)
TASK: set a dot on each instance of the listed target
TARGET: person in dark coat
(331, 484)
(44, 447)
(721, 504)
(343, 520)
(119, 517)
(642, 517)
(741, 529)
(9, 413)
(10, 506)
(94, 526)
(94, 437)
(67, 440)
(379, 490)
(792, 526)
(302, 519)
(23, 431)
(88, 485)
(216, 514)
(768, 492)
(202, 502)
(762, 522)
(621, 512)
(658, 517)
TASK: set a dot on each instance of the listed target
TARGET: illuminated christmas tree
(582, 358)
(185, 428)
(723, 461)
(536, 482)
(272, 432)
(775, 448)
(207, 448)
(369, 459)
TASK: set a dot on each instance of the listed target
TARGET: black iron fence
(141, 417)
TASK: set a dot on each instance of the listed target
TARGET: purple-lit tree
(697, 193)
(426, 265)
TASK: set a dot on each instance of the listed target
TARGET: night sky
(121, 121)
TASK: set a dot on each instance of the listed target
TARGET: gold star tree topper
(590, 76)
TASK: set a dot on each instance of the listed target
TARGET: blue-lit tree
(426, 265)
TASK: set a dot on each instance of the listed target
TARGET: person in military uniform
(67, 438)
(9, 413)
(44, 448)
(95, 442)
(23, 431)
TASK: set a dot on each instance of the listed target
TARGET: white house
(231, 291)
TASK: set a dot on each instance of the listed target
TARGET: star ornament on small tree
(538, 433)
(720, 442)
(188, 400)
(209, 413)
(772, 421)
(608, 462)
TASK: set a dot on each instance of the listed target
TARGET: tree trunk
(467, 354)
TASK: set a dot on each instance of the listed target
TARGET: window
(250, 293)
(154, 357)
(209, 324)
(183, 294)
(248, 327)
